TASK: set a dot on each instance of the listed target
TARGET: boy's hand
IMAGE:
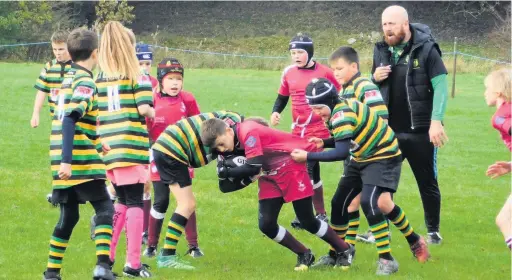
(275, 118)
(299, 155)
(34, 122)
(105, 147)
(318, 142)
(498, 169)
(65, 171)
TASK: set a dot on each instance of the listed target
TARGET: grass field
(228, 231)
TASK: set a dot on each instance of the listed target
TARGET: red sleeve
(252, 145)
(329, 75)
(154, 84)
(191, 104)
(283, 88)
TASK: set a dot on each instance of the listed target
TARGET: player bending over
(283, 181)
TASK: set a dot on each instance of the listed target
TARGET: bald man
(411, 76)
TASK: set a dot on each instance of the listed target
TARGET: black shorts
(383, 173)
(171, 170)
(89, 191)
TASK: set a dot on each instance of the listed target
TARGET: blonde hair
(500, 81)
(117, 58)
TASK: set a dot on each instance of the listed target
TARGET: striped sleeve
(369, 94)
(343, 123)
(42, 82)
(83, 94)
(143, 91)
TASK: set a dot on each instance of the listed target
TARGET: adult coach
(408, 69)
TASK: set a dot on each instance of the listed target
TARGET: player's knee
(385, 203)
(187, 206)
(69, 220)
(268, 227)
(311, 224)
(369, 206)
(501, 219)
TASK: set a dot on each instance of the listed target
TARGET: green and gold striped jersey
(121, 125)
(364, 91)
(50, 80)
(78, 96)
(182, 140)
(372, 138)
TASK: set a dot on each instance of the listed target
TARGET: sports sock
(380, 231)
(175, 229)
(57, 249)
(399, 219)
(353, 226)
(191, 231)
(318, 199)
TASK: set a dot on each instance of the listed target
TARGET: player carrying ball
(283, 181)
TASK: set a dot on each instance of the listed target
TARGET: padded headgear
(168, 65)
(302, 42)
(322, 92)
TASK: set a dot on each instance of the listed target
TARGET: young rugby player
(51, 76)
(294, 80)
(124, 100)
(498, 87)
(373, 170)
(171, 104)
(177, 148)
(77, 168)
(283, 181)
(145, 57)
(345, 64)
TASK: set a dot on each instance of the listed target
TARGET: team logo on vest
(251, 142)
(415, 64)
(82, 91)
(339, 116)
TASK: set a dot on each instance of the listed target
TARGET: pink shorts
(128, 175)
(291, 182)
(155, 177)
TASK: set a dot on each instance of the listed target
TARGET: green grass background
(228, 233)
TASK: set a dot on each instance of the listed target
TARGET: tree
(23, 21)
(107, 10)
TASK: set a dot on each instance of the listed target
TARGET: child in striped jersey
(345, 64)
(124, 100)
(177, 148)
(171, 104)
(498, 87)
(373, 170)
(145, 57)
(79, 177)
(50, 78)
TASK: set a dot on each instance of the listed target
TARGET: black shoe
(142, 272)
(344, 259)
(194, 252)
(150, 252)
(145, 238)
(51, 276)
(102, 273)
(296, 224)
(304, 261)
(434, 238)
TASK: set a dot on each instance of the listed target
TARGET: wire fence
(38, 52)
